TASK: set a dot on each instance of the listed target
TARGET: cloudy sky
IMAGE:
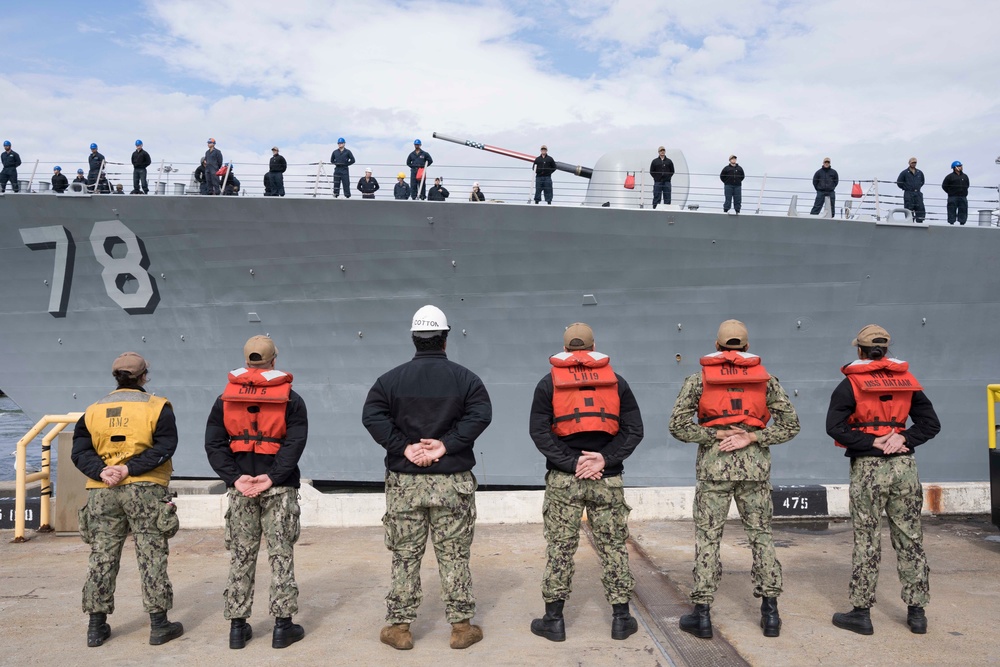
(780, 83)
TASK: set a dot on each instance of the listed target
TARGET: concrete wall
(201, 510)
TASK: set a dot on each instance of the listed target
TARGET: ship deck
(343, 574)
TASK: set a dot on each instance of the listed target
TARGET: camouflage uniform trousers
(892, 484)
(105, 523)
(604, 499)
(444, 505)
(275, 514)
(711, 506)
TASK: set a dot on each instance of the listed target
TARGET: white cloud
(779, 83)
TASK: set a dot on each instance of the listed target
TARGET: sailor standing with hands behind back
(254, 438)
(123, 444)
(734, 399)
(427, 414)
(867, 417)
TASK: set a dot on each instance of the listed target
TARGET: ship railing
(22, 478)
(762, 194)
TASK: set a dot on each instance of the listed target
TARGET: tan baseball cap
(130, 362)
(661, 148)
(871, 334)
(544, 148)
(578, 336)
(261, 346)
(732, 334)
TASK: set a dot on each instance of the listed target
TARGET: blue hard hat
(138, 142)
(79, 171)
(416, 142)
(57, 168)
(93, 146)
(341, 141)
(956, 163)
(6, 143)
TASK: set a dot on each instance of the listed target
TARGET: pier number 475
(129, 270)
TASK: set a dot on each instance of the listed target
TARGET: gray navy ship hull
(335, 283)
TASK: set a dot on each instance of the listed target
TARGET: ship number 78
(117, 271)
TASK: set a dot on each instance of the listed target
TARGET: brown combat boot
(398, 636)
(464, 634)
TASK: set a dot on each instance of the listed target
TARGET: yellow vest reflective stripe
(121, 427)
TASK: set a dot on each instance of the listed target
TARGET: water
(13, 425)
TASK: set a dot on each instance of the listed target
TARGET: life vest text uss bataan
(883, 391)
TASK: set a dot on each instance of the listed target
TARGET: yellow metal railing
(992, 398)
(22, 478)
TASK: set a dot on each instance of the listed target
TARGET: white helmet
(429, 318)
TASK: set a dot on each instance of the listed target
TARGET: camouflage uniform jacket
(753, 462)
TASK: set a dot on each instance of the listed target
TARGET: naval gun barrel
(576, 170)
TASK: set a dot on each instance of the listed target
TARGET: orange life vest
(734, 390)
(883, 390)
(584, 393)
(253, 409)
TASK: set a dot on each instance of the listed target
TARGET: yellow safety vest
(121, 427)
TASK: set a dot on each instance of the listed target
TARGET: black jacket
(826, 179)
(858, 443)
(732, 174)
(437, 193)
(368, 187)
(282, 468)
(956, 185)
(342, 159)
(277, 164)
(10, 159)
(544, 165)
(910, 182)
(661, 169)
(87, 460)
(199, 174)
(416, 160)
(428, 397)
(141, 159)
(401, 190)
(59, 183)
(95, 159)
(477, 195)
(563, 453)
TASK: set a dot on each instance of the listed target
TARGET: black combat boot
(98, 630)
(239, 632)
(770, 622)
(285, 632)
(161, 630)
(858, 620)
(698, 622)
(623, 625)
(916, 619)
(551, 626)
